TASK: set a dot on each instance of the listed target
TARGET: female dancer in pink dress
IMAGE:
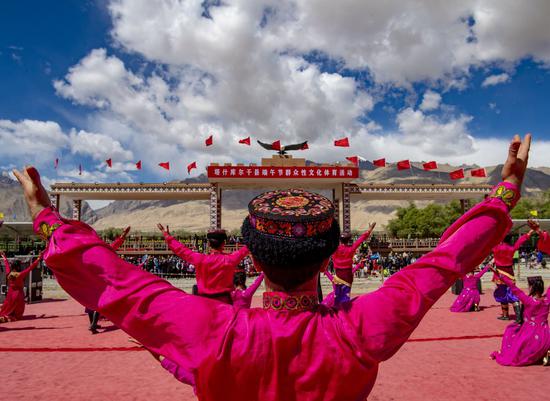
(293, 344)
(469, 298)
(504, 261)
(14, 304)
(330, 300)
(527, 343)
(242, 296)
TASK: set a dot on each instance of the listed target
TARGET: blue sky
(87, 80)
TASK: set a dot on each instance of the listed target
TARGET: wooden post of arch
(346, 208)
(77, 209)
(215, 207)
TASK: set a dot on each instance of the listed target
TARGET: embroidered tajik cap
(291, 213)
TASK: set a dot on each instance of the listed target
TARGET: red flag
(404, 165)
(109, 162)
(165, 165)
(457, 174)
(379, 162)
(56, 163)
(353, 159)
(276, 145)
(191, 167)
(138, 165)
(245, 141)
(305, 146)
(80, 169)
(430, 166)
(344, 142)
(480, 172)
(209, 141)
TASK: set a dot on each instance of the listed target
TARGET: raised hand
(164, 230)
(533, 225)
(516, 164)
(126, 231)
(35, 194)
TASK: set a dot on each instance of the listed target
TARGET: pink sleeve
(483, 271)
(249, 292)
(180, 374)
(329, 276)
(360, 240)
(239, 255)
(386, 318)
(523, 297)
(32, 266)
(6, 264)
(117, 243)
(521, 240)
(164, 319)
(544, 242)
(182, 251)
(358, 266)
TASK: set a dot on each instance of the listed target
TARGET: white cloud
(430, 101)
(33, 141)
(97, 146)
(495, 79)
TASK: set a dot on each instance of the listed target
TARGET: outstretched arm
(386, 318)
(483, 271)
(329, 276)
(249, 292)
(521, 240)
(117, 243)
(6, 263)
(32, 266)
(179, 249)
(238, 255)
(363, 237)
(164, 319)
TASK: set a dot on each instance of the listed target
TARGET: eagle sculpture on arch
(282, 151)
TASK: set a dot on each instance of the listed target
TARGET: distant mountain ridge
(193, 215)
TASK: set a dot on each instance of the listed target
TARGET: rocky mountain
(12, 203)
(193, 215)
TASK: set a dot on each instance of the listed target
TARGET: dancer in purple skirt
(527, 343)
(469, 298)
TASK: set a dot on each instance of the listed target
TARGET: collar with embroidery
(290, 302)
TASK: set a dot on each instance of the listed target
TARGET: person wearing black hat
(214, 271)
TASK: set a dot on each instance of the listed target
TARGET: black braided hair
(289, 261)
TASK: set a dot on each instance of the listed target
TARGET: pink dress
(330, 300)
(469, 296)
(242, 299)
(14, 304)
(527, 343)
(214, 271)
(504, 254)
(292, 345)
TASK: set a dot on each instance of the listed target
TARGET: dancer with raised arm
(13, 307)
(330, 300)
(469, 297)
(293, 344)
(503, 254)
(342, 260)
(527, 343)
(242, 296)
(214, 271)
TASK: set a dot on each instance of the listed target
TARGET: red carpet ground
(50, 355)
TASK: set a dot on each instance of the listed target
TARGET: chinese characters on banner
(282, 172)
